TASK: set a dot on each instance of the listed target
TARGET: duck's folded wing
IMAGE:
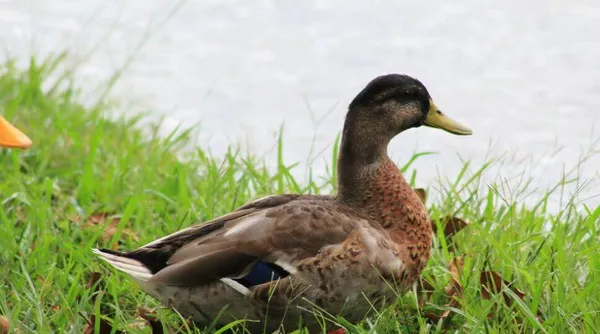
(214, 226)
(278, 236)
(151, 258)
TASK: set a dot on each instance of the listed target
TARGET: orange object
(12, 137)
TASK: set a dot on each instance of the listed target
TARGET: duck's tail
(125, 264)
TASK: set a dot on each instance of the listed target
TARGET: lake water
(524, 75)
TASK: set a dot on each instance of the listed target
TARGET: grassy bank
(91, 182)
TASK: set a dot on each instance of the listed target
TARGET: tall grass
(83, 164)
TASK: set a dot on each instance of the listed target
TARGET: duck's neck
(368, 179)
(361, 161)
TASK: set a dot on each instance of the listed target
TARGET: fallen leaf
(92, 280)
(452, 225)
(492, 283)
(110, 223)
(75, 219)
(93, 283)
(105, 326)
(4, 325)
(424, 291)
(445, 315)
(137, 324)
(150, 317)
(20, 214)
(453, 290)
(455, 266)
(186, 326)
(422, 194)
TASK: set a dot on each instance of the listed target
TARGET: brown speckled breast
(397, 207)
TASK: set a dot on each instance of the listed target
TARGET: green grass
(82, 164)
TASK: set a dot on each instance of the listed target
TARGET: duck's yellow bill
(11, 136)
(436, 119)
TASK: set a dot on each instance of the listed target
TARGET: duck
(288, 259)
(11, 137)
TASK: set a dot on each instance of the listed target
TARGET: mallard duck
(275, 260)
(11, 137)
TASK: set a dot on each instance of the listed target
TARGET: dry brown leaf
(137, 324)
(445, 315)
(433, 225)
(105, 326)
(492, 283)
(110, 224)
(150, 317)
(92, 280)
(20, 214)
(422, 194)
(432, 316)
(4, 325)
(91, 284)
(452, 225)
(455, 266)
(424, 291)
(453, 290)
(184, 327)
(75, 219)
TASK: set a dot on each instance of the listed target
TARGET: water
(523, 75)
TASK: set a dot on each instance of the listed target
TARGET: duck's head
(392, 103)
(12, 137)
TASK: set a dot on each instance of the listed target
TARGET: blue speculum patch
(262, 272)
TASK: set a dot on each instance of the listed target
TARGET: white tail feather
(235, 286)
(130, 266)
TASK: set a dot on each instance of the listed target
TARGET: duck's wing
(276, 231)
(212, 227)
